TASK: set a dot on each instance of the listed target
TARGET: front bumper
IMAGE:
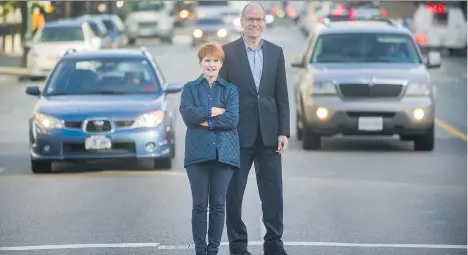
(204, 39)
(151, 33)
(68, 145)
(41, 67)
(348, 117)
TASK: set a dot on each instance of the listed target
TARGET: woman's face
(210, 66)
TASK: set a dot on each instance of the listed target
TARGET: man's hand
(215, 111)
(205, 124)
(282, 144)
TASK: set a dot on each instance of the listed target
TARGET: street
(356, 196)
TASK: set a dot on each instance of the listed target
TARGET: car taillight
(383, 13)
(436, 8)
(420, 39)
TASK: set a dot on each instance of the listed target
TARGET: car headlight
(418, 90)
(269, 18)
(236, 22)
(151, 119)
(197, 33)
(323, 88)
(47, 122)
(222, 32)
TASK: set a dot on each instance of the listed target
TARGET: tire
(41, 167)
(163, 163)
(167, 40)
(425, 142)
(310, 140)
(173, 150)
(298, 129)
(131, 41)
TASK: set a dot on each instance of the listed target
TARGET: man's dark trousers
(269, 181)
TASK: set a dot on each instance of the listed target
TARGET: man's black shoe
(280, 252)
(244, 253)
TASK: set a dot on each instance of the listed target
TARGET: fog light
(418, 114)
(322, 113)
(150, 147)
(46, 148)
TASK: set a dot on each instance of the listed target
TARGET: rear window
(365, 47)
(60, 34)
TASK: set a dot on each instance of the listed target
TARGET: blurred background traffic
(116, 24)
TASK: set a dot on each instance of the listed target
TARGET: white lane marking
(262, 228)
(254, 243)
(79, 246)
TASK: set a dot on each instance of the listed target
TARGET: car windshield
(107, 76)
(361, 47)
(60, 34)
(209, 22)
(148, 6)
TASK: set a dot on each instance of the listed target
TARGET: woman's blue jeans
(209, 182)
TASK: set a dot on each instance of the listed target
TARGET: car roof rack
(69, 51)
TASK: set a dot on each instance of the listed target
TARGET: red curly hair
(211, 49)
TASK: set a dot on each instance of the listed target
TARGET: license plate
(370, 123)
(98, 143)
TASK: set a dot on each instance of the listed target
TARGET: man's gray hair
(252, 4)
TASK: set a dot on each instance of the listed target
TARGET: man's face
(253, 21)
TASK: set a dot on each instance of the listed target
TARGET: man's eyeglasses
(252, 20)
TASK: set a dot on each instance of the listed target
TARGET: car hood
(349, 73)
(90, 106)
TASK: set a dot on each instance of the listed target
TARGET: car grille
(73, 124)
(70, 148)
(147, 24)
(124, 123)
(370, 91)
(94, 127)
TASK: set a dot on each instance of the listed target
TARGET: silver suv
(364, 78)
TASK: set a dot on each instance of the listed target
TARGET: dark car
(210, 29)
(102, 105)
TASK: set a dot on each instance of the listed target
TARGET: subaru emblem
(98, 122)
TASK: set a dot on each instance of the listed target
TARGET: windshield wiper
(106, 92)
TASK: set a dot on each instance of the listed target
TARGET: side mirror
(172, 88)
(33, 91)
(434, 59)
(298, 62)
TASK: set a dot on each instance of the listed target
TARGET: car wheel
(310, 140)
(173, 148)
(131, 41)
(298, 128)
(167, 40)
(163, 163)
(40, 167)
(425, 142)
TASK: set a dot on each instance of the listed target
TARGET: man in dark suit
(257, 68)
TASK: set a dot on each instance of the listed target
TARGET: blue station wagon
(102, 105)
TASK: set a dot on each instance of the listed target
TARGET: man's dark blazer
(270, 105)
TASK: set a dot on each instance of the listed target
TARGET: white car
(150, 20)
(54, 39)
(440, 25)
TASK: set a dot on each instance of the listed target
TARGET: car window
(361, 47)
(60, 34)
(209, 22)
(94, 26)
(109, 76)
(114, 25)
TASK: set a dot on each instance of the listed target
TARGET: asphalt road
(357, 196)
